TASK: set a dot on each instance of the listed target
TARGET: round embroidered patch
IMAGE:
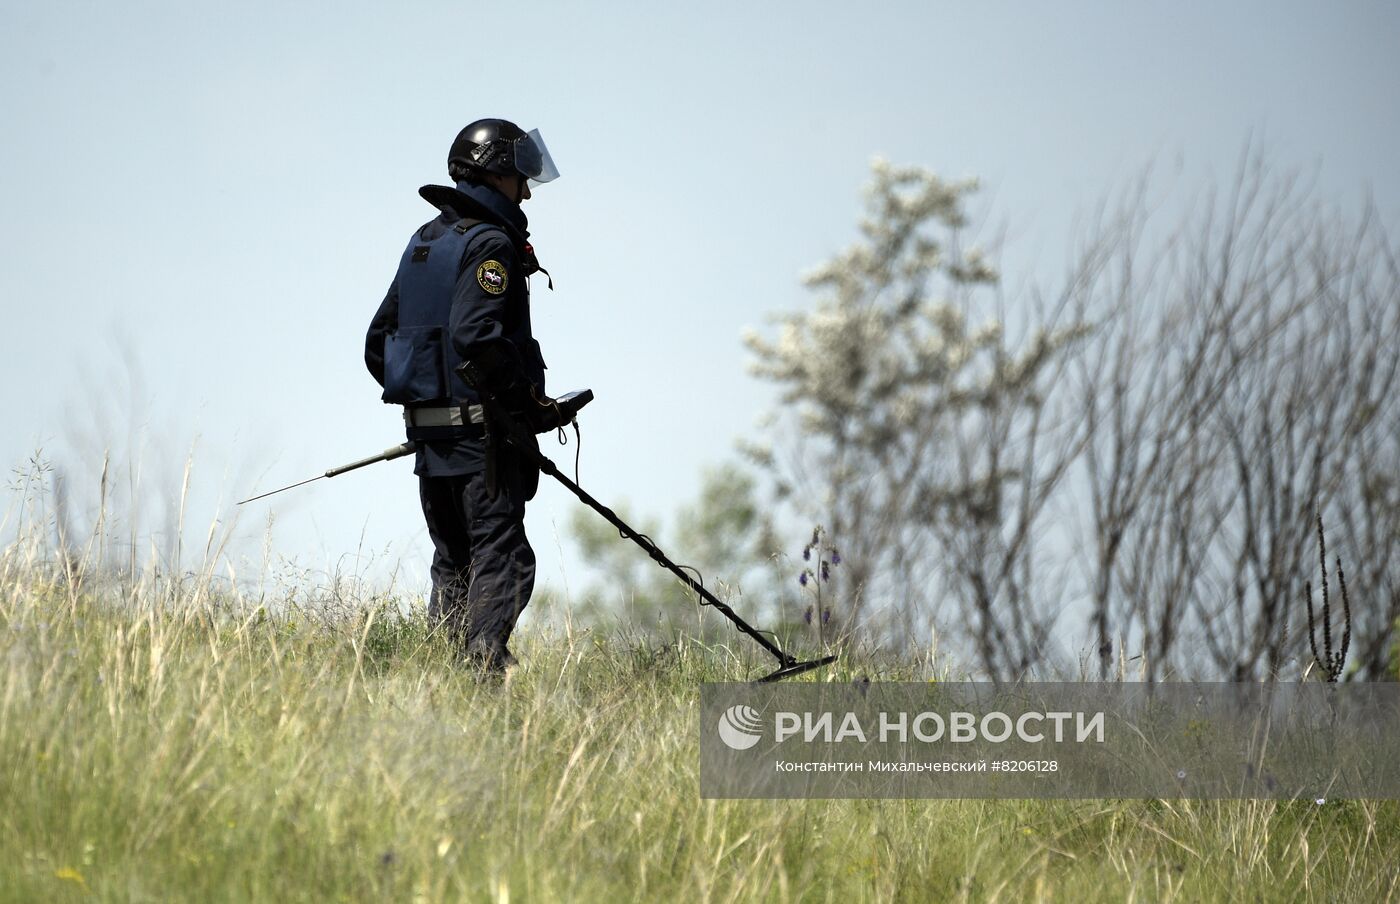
(492, 277)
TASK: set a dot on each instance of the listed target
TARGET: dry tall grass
(164, 738)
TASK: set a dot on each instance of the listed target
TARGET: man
(461, 296)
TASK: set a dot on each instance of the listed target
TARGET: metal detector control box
(570, 404)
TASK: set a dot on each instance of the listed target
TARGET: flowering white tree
(910, 432)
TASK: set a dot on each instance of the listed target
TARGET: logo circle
(491, 276)
(740, 727)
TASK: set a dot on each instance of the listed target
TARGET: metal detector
(499, 421)
(501, 425)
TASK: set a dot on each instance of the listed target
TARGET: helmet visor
(532, 159)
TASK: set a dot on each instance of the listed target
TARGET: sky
(204, 204)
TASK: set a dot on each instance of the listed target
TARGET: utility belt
(452, 416)
(445, 423)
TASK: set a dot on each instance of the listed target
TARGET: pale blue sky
(219, 194)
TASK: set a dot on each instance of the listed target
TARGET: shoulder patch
(491, 276)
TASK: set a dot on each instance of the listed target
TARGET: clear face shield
(532, 159)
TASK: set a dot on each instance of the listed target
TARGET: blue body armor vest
(420, 364)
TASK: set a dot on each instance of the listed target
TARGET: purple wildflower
(835, 557)
(802, 579)
(826, 616)
(806, 553)
(826, 575)
(807, 616)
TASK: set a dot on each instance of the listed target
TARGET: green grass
(161, 744)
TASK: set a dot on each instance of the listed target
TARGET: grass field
(163, 743)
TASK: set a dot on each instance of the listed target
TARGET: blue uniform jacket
(490, 307)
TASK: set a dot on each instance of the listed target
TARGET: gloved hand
(542, 414)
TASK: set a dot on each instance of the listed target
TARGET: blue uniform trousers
(483, 566)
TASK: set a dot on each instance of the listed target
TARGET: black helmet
(501, 146)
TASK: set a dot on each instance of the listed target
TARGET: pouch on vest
(414, 370)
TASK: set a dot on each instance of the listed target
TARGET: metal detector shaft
(652, 550)
(515, 434)
(788, 665)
